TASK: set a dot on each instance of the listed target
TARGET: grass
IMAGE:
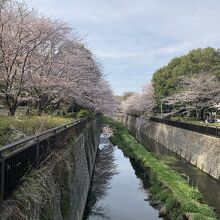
(214, 124)
(31, 194)
(167, 185)
(45, 191)
(26, 126)
(194, 121)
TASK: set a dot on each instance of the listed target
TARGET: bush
(82, 113)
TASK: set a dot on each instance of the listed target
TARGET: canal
(207, 185)
(117, 193)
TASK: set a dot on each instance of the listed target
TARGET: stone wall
(200, 150)
(62, 183)
(85, 149)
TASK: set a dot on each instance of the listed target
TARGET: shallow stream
(117, 193)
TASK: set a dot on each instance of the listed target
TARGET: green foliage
(32, 193)
(82, 113)
(199, 217)
(197, 61)
(194, 121)
(160, 192)
(167, 185)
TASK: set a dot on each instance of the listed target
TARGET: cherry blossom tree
(101, 99)
(140, 103)
(46, 82)
(42, 62)
(199, 92)
(23, 35)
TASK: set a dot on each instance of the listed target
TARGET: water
(117, 193)
(207, 185)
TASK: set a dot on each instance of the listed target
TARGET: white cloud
(135, 37)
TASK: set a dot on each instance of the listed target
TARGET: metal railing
(18, 158)
(203, 129)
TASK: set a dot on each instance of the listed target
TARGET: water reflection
(105, 169)
(117, 193)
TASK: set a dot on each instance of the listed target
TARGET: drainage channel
(117, 191)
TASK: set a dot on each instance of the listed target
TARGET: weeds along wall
(200, 150)
(59, 189)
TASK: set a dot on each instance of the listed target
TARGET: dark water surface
(117, 193)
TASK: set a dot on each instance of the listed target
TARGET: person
(211, 120)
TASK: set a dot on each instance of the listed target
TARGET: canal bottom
(117, 191)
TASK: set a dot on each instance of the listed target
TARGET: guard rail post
(2, 177)
(37, 152)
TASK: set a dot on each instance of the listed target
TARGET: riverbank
(58, 189)
(15, 128)
(117, 189)
(179, 200)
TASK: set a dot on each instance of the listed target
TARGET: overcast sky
(133, 38)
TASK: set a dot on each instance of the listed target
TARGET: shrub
(82, 113)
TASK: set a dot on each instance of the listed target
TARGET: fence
(203, 129)
(18, 158)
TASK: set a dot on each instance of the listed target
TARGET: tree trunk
(203, 114)
(12, 105)
(13, 110)
(39, 108)
(198, 114)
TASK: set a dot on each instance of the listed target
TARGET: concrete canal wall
(200, 150)
(60, 188)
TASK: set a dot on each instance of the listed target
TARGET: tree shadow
(105, 168)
